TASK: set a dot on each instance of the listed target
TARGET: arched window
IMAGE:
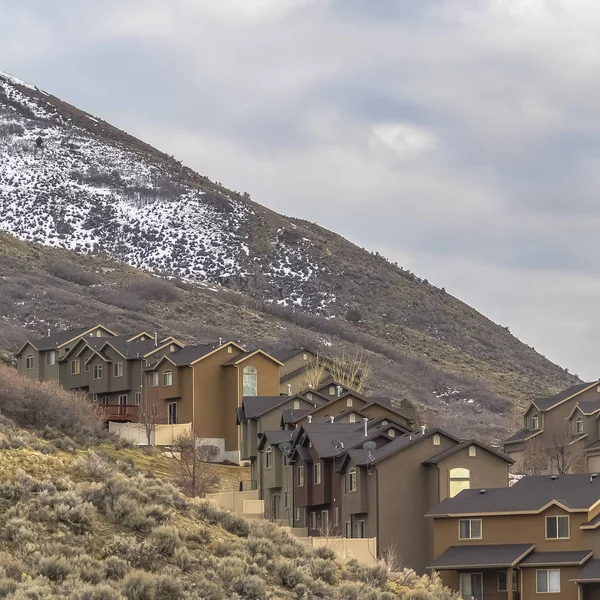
(332, 390)
(167, 378)
(579, 425)
(349, 402)
(268, 457)
(352, 480)
(460, 479)
(352, 418)
(472, 451)
(391, 433)
(436, 440)
(309, 396)
(250, 376)
(535, 421)
(305, 357)
(296, 404)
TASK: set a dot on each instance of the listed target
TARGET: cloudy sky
(458, 137)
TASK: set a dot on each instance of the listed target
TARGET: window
(298, 514)
(98, 333)
(172, 413)
(348, 528)
(503, 582)
(557, 527)
(98, 371)
(547, 581)
(153, 379)
(460, 479)
(286, 499)
(471, 585)
(300, 476)
(268, 458)
(391, 433)
(50, 358)
(309, 396)
(172, 348)
(313, 520)
(336, 517)
(29, 362)
(305, 357)
(167, 378)
(472, 452)
(123, 400)
(75, 367)
(579, 425)
(296, 404)
(250, 380)
(349, 402)
(361, 529)
(118, 369)
(352, 479)
(317, 473)
(526, 422)
(325, 521)
(95, 398)
(332, 390)
(87, 367)
(352, 418)
(436, 440)
(105, 401)
(137, 398)
(535, 421)
(469, 529)
(229, 350)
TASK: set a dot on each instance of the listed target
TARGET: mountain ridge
(98, 191)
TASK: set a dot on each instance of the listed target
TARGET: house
(294, 362)
(569, 418)
(39, 359)
(540, 536)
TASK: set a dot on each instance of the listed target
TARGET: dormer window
(579, 425)
(391, 433)
(332, 390)
(535, 421)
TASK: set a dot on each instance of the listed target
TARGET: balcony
(120, 412)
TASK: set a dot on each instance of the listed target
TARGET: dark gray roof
(589, 572)
(292, 415)
(56, 339)
(529, 494)
(434, 460)
(277, 437)
(521, 436)
(546, 403)
(256, 406)
(323, 436)
(592, 522)
(589, 407)
(593, 446)
(480, 556)
(191, 353)
(564, 557)
(283, 354)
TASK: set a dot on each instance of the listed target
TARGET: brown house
(294, 362)
(569, 418)
(535, 538)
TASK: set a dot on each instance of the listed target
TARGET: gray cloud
(459, 137)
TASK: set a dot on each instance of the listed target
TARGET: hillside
(96, 190)
(79, 524)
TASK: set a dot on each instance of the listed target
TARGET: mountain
(107, 199)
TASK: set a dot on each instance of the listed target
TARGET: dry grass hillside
(78, 523)
(44, 288)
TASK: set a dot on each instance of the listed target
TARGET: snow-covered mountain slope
(92, 188)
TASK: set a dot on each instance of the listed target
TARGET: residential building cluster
(331, 462)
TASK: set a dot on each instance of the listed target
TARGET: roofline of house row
(537, 511)
(68, 341)
(488, 566)
(251, 354)
(466, 444)
(223, 345)
(562, 401)
(533, 434)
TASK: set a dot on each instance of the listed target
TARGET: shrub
(96, 592)
(94, 467)
(128, 513)
(115, 567)
(325, 553)
(139, 585)
(323, 569)
(250, 587)
(288, 574)
(7, 586)
(168, 589)
(165, 540)
(152, 289)
(55, 568)
(71, 272)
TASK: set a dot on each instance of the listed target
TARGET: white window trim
(29, 356)
(98, 369)
(300, 476)
(269, 458)
(352, 477)
(578, 422)
(137, 399)
(336, 517)
(169, 413)
(317, 475)
(118, 366)
(547, 581)
(471, 537)
(168, 372)
(77, 362)
(153, 379)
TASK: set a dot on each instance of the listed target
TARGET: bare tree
(149, 416)
(566, 454)
(391, 557)
(314, 373)
(195, 472)
(534, 459)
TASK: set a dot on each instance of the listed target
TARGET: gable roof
(438, 458)
(60, 338)
(289, 416)
(246, 355)
(551, 402)
(274, 438)
(522, 436)
(529, 495)
(284, 354)
(587, 408)
(189, 355)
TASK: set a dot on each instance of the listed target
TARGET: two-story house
(567, 418)
(294, 362)
(39, 359)
(536, 538)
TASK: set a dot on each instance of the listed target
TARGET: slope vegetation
(93, 189)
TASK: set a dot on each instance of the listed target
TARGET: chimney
(155, 339)
(289, 389)
(423, 429)
(340, 389)
(365, 421)
(310, 418)
(220, 341)
(331, 418)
